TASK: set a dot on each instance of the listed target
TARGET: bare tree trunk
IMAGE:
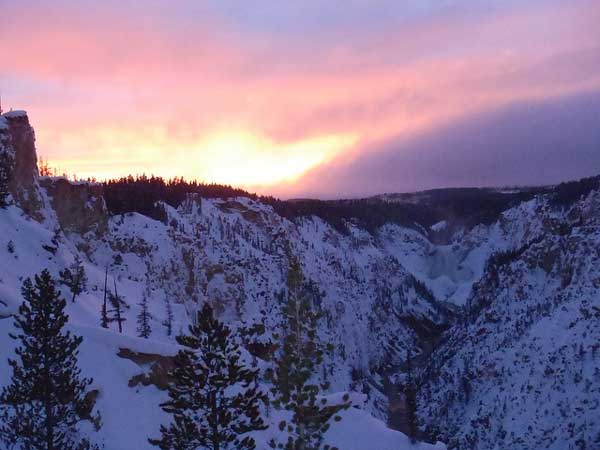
(118, 307)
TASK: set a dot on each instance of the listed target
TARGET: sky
(310, 98)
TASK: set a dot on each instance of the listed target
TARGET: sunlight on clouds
(253, 160)
(107, 151)
(240, 158)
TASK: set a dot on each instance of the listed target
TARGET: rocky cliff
(19, 140)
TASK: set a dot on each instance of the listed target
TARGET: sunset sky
(310, 98)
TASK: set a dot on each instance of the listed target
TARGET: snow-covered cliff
(522, 369)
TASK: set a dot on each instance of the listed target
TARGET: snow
(131, 415)
(355, 432)
(439, 226)
(15, 114)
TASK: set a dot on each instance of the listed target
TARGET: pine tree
(116, 303)
(104, 313)
(168, 322)
(298, 360)
(74, 277)
(42, 405)
(6, 168)
(214, 398)
(143, 319)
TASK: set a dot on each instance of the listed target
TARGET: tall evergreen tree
(214, 398)
(42, 405)
(298, 360)
(6, 168)
(143, 319)
(74, 277)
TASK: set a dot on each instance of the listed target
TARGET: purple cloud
(522, 144)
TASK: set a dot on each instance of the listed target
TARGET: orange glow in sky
(226, 156)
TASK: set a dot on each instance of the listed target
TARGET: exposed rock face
(79, 207)
(24, 185)
(156, 368)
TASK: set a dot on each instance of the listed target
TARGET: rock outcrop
(79, 207)
(24, 186)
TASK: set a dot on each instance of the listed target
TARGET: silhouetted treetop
(141, 193)
(463, 207)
